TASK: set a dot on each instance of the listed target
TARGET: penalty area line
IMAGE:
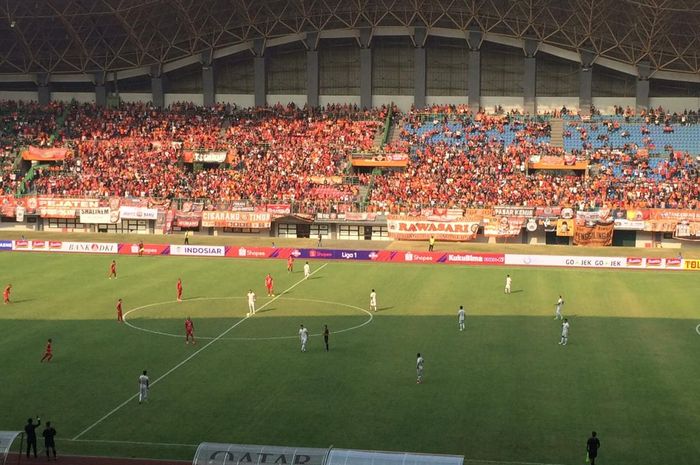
(193, 355)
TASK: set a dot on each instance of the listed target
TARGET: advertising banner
(420, 228)
(148, 249)
(629, 225)
(232, 219)
(565, 261)
(205, 157)
(597, 235)
(61, 246)
(198, 250)
(693, 265)
(137, 213)
(101, 215)
(8, 204)
(5, 244)
(508, 210)
(63, 207)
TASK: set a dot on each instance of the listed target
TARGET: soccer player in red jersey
(179, 290)
(189, 331)
(120, 317)
(290, 264)
(48, 354)
(141, 249)
(270, 285)
(6, 294)
(113, 270)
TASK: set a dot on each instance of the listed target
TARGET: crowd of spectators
(291, 154)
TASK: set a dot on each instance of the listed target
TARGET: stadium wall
(606, 105)
(197, 99)
(508, 103)
(324, 100)
(19, 95)
(81, 97)
(403, 102)
(135, 97)
(675, 104)
(454, 100)
(298, 100)
(549, 104)
(242, 100)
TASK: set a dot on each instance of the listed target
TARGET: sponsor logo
(243, 252)
(5, 245)
(691, 264)
(634, 261)
(55, 245)
(38, 244)
(320, 254)
(674, 262)
(417, 257)
(468, 258)
(22, 244)
(373, 255)
(654, 261)
(295, 253)
(531, 225)
(207, 251)
(89, 247)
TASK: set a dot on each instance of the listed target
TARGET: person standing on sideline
(187, 238)
(179, 290)
(30, 431)
(141, 249)
(307, 270)
(460, 318)
(326, 333)
(251, 302)
(560, 304)
(6, 294)
(189, 331)
(592, 446)
(48, 352)
(373, 301)
(303, 337)
(143, 387)
(113, 269)
(320, 240)
(290, 264)
(49, 434)
(120, 316)
(431, 243)
(419, 368)
(509, 281)
(564, 332)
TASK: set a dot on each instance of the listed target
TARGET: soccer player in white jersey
(303, 337)
(419, 368)
(560, 304)
(307, 270)
(373, 301)
(564, 332)
(509, 281)
(251, 302)
(460, 317)
(143, 387)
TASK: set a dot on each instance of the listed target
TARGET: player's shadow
(20, 301)
(383, 309)
(517, 291)
(265, 310)
(313, 277)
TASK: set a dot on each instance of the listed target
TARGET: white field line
(697, 329)
(194, 354)
(501, 462)
(269, 338)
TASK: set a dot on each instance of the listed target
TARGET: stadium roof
(87, 36)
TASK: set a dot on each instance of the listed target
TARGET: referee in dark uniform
(30, 431)
(592, 446)
(326, 333)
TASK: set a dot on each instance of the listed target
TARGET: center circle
(262, 310)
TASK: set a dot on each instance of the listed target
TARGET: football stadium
(365, 232)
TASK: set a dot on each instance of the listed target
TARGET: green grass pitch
(502, 391)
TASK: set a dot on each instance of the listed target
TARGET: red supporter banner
(8, 204)
(279, 208)
(420, 228)
(148, 249)
(44, 154)
(56, 207)
(231, 219)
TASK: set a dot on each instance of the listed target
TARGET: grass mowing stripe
(138, 443)
(194, 354)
